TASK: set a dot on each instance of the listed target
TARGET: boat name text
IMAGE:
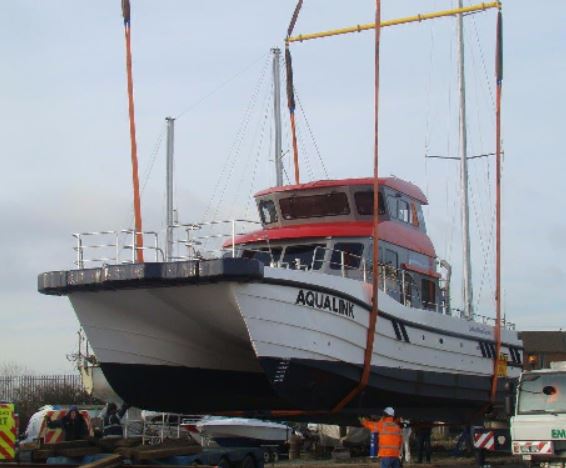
(322, 301)
(480, 330)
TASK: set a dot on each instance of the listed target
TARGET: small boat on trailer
(277, 320)
(239, 432)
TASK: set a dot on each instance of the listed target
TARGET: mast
(277, 116)
(170, 122)
(463, 137)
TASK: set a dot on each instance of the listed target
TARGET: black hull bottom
(190, 390)
(419, 395)
(310, 385)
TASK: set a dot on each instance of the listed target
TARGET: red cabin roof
(394, 183)
(389, 231)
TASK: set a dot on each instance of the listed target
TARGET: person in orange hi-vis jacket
(390, 438)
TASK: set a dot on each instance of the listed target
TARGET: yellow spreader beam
(395, 22)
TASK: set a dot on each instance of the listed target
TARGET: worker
(423, 433)
(73, 424)
(112, 426)
(406, 431)
(390, 438)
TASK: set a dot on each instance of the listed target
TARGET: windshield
(542, 393)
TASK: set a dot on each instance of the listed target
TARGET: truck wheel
(266, 456)
(274, 456)
(248, 462)
(223, 463)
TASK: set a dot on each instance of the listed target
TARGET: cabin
(326, 226)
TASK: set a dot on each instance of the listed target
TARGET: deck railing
(194, 241)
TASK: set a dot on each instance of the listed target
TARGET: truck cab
(538, 426)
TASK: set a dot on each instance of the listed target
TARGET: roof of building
(403, 186)
(544, 341)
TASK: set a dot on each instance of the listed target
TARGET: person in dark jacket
(112, 427)
(73, 424)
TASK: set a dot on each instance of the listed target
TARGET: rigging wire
(259, 129)
(311, 134)
(235, 148)
(220, 86)
(153, 157)
(484, 67)
(266, 119)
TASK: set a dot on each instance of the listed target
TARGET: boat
(278, 321)
(275, 321)
(239, 432)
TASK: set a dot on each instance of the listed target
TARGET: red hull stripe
(400, 185)
(389, 231)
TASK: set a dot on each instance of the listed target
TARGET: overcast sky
(65, 144)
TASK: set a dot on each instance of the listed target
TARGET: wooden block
(156, 453)
(78, 451)
(125, 452)
(41, 455)
(107, 462)
(67, 444)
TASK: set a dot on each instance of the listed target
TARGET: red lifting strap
(375, 277)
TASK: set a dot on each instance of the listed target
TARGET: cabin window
(267, 212)
(314, 206)
(407, 285)
(428, 294)
(364, 203)
(351, 252)
(306, 257)
(398, 208)
(403, 211)
(391, 258)
(265, 256)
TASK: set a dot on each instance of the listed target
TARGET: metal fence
(24, 387)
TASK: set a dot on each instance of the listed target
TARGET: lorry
(538, 423)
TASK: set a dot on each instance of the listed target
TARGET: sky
(65, 142)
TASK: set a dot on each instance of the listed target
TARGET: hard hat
(389, 411)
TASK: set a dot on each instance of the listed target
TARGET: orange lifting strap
(291, 90)
(499, 84)
(375, 277)
(133, 144)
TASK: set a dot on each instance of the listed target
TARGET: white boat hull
(282, 340)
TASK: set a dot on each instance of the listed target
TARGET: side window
(428, 294)
(414, 215)
(351, 252)
(403, 211)
(267, 212)
(304, 256)
(392, 206)
(265, 256)
(391, 258)
(364, 203)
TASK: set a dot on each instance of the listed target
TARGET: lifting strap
(499, 84)
(291, 91)
(375, 276)
(134, 148)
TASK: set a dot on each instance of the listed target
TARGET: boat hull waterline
(237, 336)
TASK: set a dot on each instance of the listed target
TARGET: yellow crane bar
(395, 22)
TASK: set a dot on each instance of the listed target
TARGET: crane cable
(499, 85)
(138, 244)
(290, 89)
(375, 277)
